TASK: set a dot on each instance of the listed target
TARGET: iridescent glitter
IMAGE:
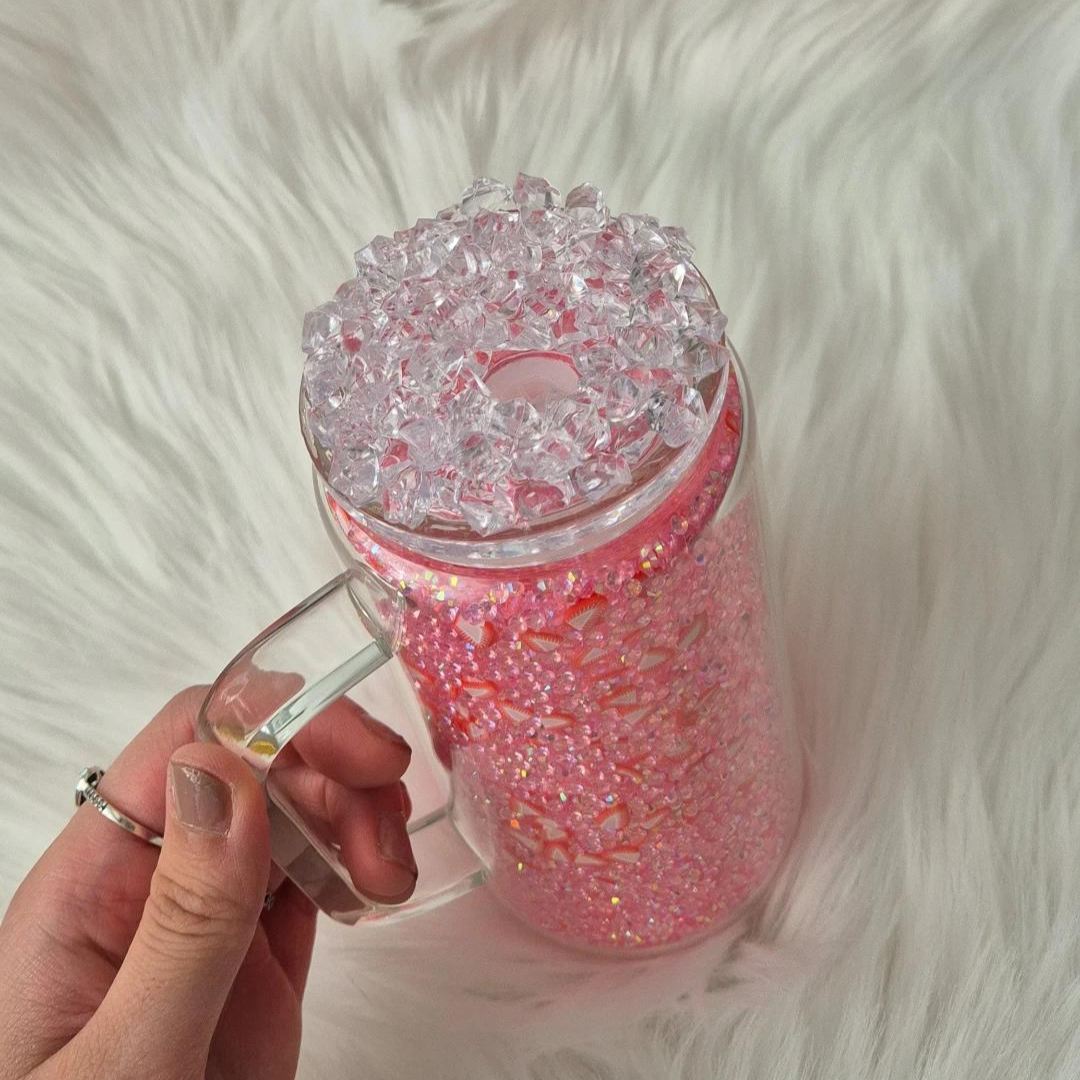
(615, 721)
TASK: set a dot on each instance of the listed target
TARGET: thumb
(205, 899)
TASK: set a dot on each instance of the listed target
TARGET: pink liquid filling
(616, 722)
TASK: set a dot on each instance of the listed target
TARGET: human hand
(126, 962)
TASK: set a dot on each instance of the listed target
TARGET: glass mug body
(612, 708)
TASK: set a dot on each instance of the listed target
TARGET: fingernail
(393, 841)
(382, 731)
(200, 800)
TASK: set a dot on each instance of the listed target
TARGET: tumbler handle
(279, 683)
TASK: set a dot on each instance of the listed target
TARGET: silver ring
(86, 792)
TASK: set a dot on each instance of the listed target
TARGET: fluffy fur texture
(885, 197)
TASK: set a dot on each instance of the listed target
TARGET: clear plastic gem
(643, 228)
(613, 252)
(677, 241)
(444, 496)
(514, 250)
(601, 475)
(429, 247)
(354, 472)
(453, 321)
(533, 192)
(702, 358)
(551, 458)
(535, 499)
(598, 363)
(405, 498)
(494, 331)
(321, 327)
(516, 419)
(532, 333)
(649, 346)
(384, 255)
(582, 423)
(505, 295)
(693, 286)
(554, 228)
(325, 377)
(623, 398)
(485, 194)
(488, 224)
(482, 458)
(467, 408)
(604, 308)
(585, 204)
(634, 440)
(487, 511)
(324, 423)
(677, 417)
(466, 263)
(426, 441)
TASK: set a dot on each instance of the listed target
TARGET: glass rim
(575, 532)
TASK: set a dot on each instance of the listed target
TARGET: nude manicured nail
(393, 841)
(385, 733)
(200, 800)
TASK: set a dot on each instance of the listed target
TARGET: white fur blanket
(886, 198)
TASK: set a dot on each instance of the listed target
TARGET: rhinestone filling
(614, 721)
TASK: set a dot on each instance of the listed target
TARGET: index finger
(349, 746)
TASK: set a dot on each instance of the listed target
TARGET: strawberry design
(557, 721)
(481, 634)
(463, 722)
(585, 612)
(654, 817)
(613, 818)
(624, 854)
(512, 711)
(611, 675)
(588, 656)
(529, 843)
(686, 752)
(621, 701)
(557, 851)
(479, 688)
(694, 631)
(542, 641)
(679, 750)
(521, 809)
(552, 829)
(655, 656)
(583, 858)
(422, 678)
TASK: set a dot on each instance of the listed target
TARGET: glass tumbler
(609, 735)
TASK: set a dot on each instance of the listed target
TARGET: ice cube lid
(512, 357)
